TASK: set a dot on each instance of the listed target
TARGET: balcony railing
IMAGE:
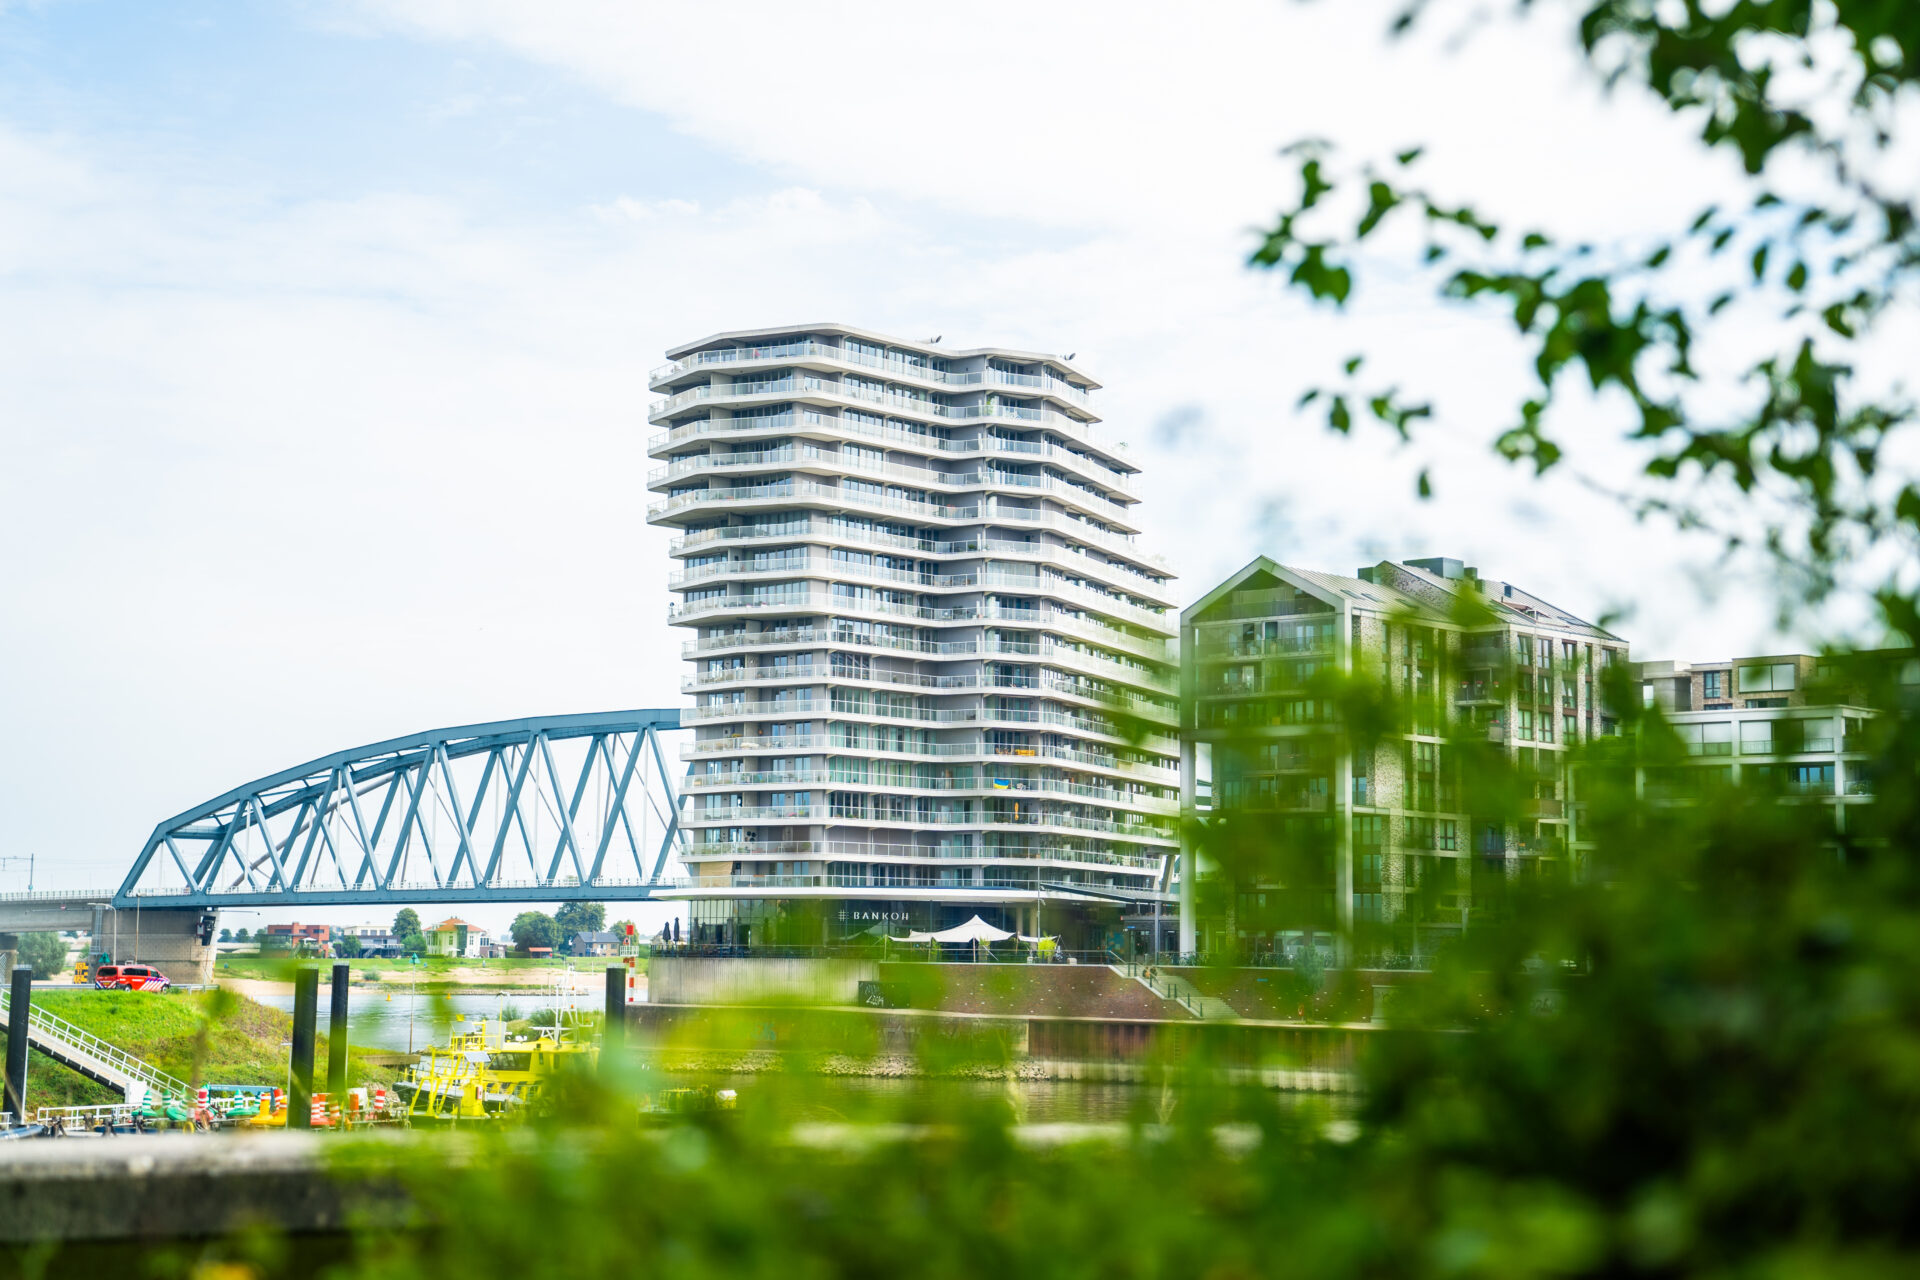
(832, 570)
(813, 421)
(721, 357)
(1045, 650)
(811, 530)
(764, 744)
(1046, 681)
(1051, 888)
(809, 707)
(918, 477)
(990, 512)
(1104, 633)
(985, 785)
(990, 409)
(700, 819)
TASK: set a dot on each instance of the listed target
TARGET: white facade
(1809, 753)
(928, 658)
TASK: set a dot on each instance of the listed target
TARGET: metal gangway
(74, 1046)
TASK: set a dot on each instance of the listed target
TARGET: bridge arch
(549, 808)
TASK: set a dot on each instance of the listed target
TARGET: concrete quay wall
(749, 980)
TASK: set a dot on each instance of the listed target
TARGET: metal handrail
(56, 1028)
(1137, 970)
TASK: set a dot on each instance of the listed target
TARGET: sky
(325, 328)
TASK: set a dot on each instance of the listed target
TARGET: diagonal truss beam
(303, 835)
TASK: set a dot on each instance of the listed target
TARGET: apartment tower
(930, 670)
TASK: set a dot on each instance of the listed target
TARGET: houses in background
(601, 943)
(297, 939)
(456, 937)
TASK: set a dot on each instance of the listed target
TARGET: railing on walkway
(1160, 984)
(54, 1031)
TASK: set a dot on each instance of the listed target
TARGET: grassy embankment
(443, 974)
(245, 1046)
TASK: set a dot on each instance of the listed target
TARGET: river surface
(831, 1099)
(401, 1021)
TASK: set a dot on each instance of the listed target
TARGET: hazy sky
(325, 330)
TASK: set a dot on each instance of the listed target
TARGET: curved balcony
(955, 752)
(805, 493)
(1046, 683)
(807, 530)
(1065, 823)
(845, 709)
(805, 349)
(986, 785)
(809, 388)
(813, 424)
(692, 611)
(1106, 668)
(807, 458)
(787, 493)
(820, 567)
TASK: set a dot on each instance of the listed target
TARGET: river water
(401, 1021)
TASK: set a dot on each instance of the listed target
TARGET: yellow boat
(490, 1074)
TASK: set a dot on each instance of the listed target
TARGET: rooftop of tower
(931, 349)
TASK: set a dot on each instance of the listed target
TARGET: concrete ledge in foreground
(174, 1186)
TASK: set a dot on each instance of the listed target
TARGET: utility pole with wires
(28, 860)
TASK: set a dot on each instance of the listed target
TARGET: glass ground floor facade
(1080, 926)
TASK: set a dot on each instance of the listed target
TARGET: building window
(1569, 728)
(1369, 831)
(1712, 739)
(1525, 730)
(1756, 737)
(1811, 779)
(1526, 650)
(1713, 684)
(1772, 677)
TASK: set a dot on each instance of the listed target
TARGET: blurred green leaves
(1824, 265)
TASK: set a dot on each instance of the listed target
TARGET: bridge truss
(545, 809)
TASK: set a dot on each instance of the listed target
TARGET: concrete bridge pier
(168, 938)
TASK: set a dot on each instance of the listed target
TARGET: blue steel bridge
(543, 809)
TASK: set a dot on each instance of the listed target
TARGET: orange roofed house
(455, 937)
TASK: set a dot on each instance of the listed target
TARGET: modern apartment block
(1512, 668)
(930, 672)
(1775, 719)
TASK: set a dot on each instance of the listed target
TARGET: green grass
(243, 1043)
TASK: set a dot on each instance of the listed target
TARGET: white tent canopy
(974, 930)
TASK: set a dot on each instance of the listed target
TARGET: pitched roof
(1333, 588)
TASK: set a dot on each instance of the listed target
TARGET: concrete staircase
(75, 1047)
(1169, 986)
